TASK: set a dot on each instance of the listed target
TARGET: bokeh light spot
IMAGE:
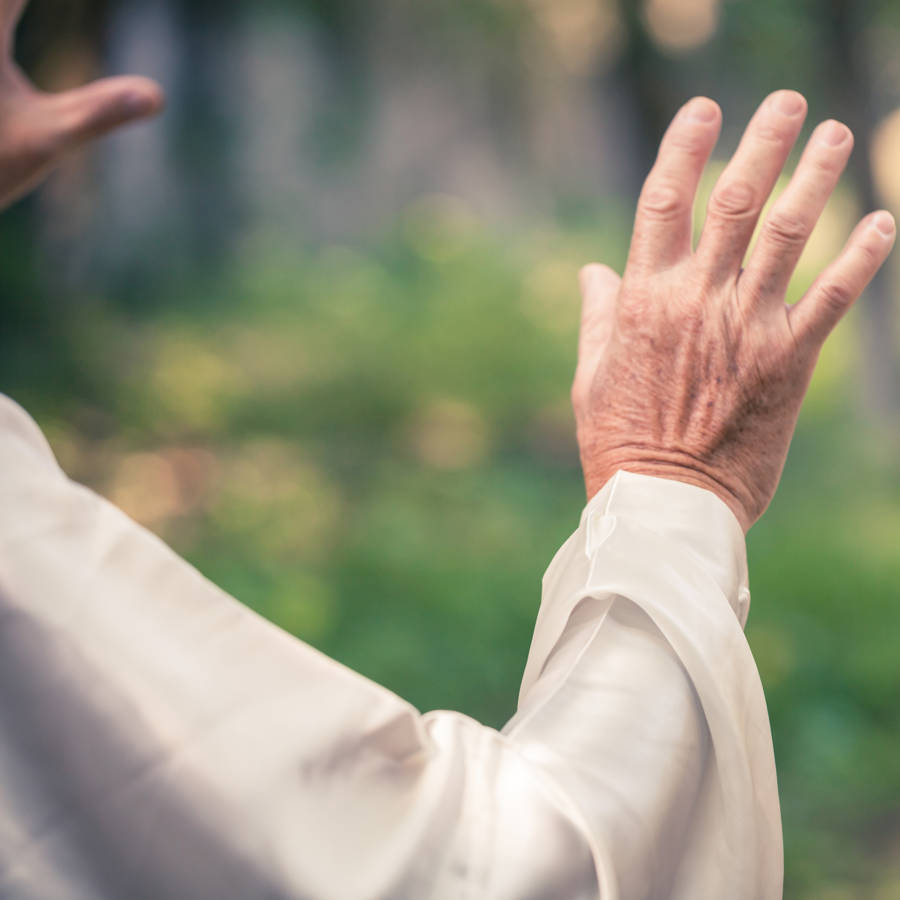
(449, 434)
(584, 33)
(681, 25)
(885, 153)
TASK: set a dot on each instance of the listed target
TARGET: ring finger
(744, 186)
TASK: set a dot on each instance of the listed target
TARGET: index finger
(664, 220)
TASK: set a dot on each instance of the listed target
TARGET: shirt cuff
(690, 517)
(664, 521)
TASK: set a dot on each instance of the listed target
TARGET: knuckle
(687, 143)
(787, 229)
(634, 312)
(770, 133)
(632, 318)
(836, 296)
(661, 200)
(734, 200)
(871, 254)
(827, 164)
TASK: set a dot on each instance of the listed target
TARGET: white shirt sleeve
(158, 739)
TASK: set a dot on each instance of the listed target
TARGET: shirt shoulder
(21, 439)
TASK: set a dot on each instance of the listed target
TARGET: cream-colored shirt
(160, 740)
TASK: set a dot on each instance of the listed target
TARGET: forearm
(641, 697)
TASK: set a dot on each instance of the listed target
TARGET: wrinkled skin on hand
(37, 129)
(691, 367)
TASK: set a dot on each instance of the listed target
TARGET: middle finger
(743, 188)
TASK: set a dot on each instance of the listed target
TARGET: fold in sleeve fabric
(159, 739)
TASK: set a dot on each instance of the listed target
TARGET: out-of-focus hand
(690, 367)
(37, 129)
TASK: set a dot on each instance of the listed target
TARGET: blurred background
(315, 327)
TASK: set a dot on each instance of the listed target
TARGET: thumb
(599, 289)
(85, 113)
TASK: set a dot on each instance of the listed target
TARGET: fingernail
(833, 133)
(788, 103)
(884, 222)
(702, 109)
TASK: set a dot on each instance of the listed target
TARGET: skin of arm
(691, 366)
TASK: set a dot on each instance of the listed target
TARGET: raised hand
(690, 367)
(37, 129)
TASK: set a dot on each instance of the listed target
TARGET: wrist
(692, 520)
(687, 471)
